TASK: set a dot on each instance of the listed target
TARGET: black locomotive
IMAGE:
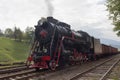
(55, 44)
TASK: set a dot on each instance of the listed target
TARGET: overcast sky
(88, 15)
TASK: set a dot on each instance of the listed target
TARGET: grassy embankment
(12, 51)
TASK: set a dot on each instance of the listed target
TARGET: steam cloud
(50, 7)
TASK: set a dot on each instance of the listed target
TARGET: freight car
(113, 50)
(108, 50)
(55, 44)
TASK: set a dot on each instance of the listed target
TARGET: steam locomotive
(55, 44)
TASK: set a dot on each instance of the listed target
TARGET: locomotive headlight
(45, 50)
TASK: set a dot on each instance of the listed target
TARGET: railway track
(11, 73)
(20, 73)
(12, 69)
(28, 74)
(23, 73)
(15, 75)
(70, 72)
(98, 72)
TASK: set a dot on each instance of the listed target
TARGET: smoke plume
(50, 7)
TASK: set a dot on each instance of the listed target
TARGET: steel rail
(90, 69)
(109, 70)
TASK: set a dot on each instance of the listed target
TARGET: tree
(1, 33)
(15, 33)
(9, 33)
(18, 34)
(29, 32)
(113, 6)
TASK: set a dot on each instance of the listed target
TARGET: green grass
(12, 51)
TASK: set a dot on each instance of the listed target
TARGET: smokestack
(50, 7)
